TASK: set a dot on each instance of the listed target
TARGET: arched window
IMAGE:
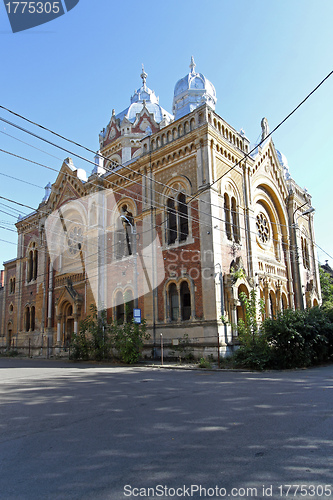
(227, 216)
(172, 221)
(32, 319)
(35, 265)
(129, 305)
(305, 253)
(30, 265)
(124, 234)
(27, 319)
(183, 217)
(177, 219)
(271, 305)
(174, 303)
(185, 301)
(120, 309)
(235, 220)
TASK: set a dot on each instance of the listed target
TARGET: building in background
(178, 217)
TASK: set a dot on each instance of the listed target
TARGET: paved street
(80, 431)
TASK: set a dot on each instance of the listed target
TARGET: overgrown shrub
(97, 339)
(128, 340)
(299, 338)
(254, 351)
(292, 339)
(204, 363)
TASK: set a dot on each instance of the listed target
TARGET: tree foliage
(326, 284)
(292, 339)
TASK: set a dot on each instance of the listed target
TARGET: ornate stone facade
(216, 221)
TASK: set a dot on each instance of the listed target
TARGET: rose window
(262, 228)
(75, 239)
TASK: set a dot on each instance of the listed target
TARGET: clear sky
(263, 58)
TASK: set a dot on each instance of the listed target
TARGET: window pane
(174, 306)
(185, 297)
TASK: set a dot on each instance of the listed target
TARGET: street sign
(137, 315)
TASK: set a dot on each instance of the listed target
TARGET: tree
(326, 283)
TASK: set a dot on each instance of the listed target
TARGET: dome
(192, 91)
(144, 96)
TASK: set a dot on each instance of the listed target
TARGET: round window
(75, 239)
(262, 228)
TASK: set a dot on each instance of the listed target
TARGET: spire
(143, 76)
(192, 65)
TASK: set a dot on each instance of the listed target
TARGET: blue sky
(262, 57)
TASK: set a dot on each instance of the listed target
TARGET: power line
(152, 180)
(268, 135)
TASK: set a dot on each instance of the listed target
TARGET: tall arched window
(27, 319)
(32, 263)
(120, 308)
(174, 303)
(235, 221)
(227, 216)
(124, 306)
(305, 253)
(35, 265)
(177, 219)
(129, 305)
(32, 319)
(172, 221)
(185, 301)
(183, 217)
(124, 234)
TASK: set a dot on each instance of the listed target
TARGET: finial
(113, 112)
(192, 65)
(264, 129)
(143, 75)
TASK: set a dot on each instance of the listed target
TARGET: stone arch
(242, 288)
(269, 199)
(179, 299)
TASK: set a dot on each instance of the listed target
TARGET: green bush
(204, 363)
(292, 339)
(97, 339)
(254, 351)
(128, 340)
(299, 338)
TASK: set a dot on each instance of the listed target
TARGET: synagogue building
(179, 215)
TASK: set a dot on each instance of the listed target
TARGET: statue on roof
(264, 129)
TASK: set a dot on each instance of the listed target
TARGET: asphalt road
(72, 431)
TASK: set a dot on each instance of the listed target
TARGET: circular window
(75, 239)
(262, 228)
